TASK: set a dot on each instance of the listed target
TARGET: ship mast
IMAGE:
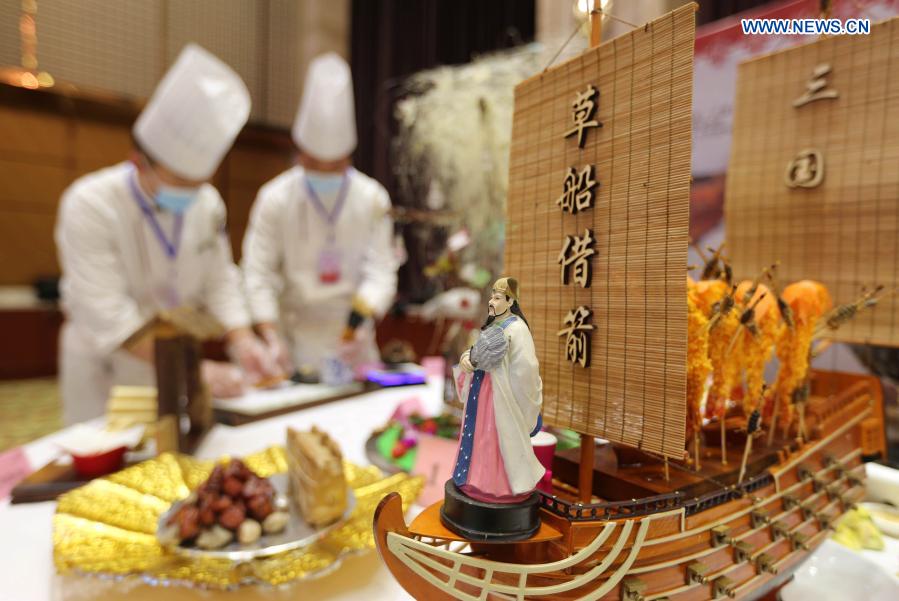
(588, 443)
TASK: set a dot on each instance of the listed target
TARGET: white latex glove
(354, 348)
(465, 363)
(223, 379)
(277, 351)
(253, 357)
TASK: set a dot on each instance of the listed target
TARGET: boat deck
(428, 525)
(621, 473)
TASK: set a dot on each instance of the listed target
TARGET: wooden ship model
(699, 493)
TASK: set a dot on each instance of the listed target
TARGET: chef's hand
(465, 363)
(224, 380)
(354, 345)
(143, 348)
(276, 348)
(252, 356)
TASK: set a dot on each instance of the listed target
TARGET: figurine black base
(489, 522)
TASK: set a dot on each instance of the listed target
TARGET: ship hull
(739, 542)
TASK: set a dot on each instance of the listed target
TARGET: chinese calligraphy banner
(814, 172)
(597, 232)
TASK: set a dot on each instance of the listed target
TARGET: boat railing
(611, 509)
(578, 512)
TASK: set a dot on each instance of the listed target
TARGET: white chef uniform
(306, 256)
(123, 259)
(281, 253)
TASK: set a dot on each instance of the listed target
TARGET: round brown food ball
(233, 486)
(232, 517)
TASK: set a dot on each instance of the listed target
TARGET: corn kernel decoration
(756, 340)
(808, 300)
(698, 364)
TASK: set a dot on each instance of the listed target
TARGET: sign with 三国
(812, 180)
(597, 232)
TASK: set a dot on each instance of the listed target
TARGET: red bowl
(94, 466)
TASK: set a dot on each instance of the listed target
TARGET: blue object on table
(409, 375)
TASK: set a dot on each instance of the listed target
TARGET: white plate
(835, 573)
(885, 517)
(296, 535)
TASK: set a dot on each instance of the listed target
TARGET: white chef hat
(194, 115)
(325, 125)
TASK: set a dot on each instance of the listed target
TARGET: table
(26, 548)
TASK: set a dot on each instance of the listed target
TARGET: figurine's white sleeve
(517, 399)
(524, 371)
(262, 259)
(378, 287)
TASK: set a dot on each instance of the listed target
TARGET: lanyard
(169, 246)
(329, 217)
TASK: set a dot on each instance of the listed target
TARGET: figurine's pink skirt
(487, 479)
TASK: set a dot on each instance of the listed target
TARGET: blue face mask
(324, 184)
(175, 199)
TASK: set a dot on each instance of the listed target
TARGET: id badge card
(329, 265)
(166, 292)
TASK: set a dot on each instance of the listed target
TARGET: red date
(232, 518)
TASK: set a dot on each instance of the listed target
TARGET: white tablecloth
(26, 548)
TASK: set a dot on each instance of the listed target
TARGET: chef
(147, 235)
(318, 256)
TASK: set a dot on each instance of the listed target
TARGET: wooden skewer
(710, 269)
(752, 425)
(724, 306)
(746, 450)
(802, 436)
(747, 321)
(774, 420)
(723, 440)
(696, 461)
(702, 256)
(755, 283)
(838, 316)
(820, 348)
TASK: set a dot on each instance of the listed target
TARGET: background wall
(49, 139)
(124, 47)
(106, 58)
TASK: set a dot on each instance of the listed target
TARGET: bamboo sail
(812, 178)
(633, 389)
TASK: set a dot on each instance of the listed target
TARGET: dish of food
(237, 514)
